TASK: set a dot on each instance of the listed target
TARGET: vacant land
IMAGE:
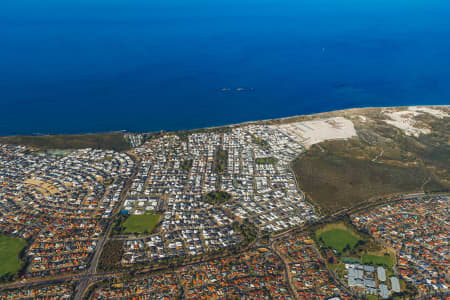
(109, 141)
(338, 237)
(141, 223)
(382, 160)
(10, 248)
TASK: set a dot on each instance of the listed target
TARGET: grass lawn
(385, 260)
(141, 223)
(337, 236)
(10, 248)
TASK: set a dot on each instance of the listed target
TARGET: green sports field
(385, 260)
(338, 237)
(141, 223)
(10, 248)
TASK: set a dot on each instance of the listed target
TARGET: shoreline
(124, 131)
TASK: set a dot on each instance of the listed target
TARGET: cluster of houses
(161, 286)
(59, 203)
(264, 186)
(178, 243)
(312, 279)
(134, 139)
(50, 292)
(175, 174)
(310, 276)
(189, 226)
(417, 229)
(254, 274)
(62, 202)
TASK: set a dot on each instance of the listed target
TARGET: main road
(85, 279)
(92, 270)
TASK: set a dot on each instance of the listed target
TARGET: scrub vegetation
(108, 141)
(382, 160)
(186, 165)
(220, 161)
(111, 255)
(217, 197)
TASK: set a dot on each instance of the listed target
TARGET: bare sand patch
(316, 131)
(405, 120)
(438, 113)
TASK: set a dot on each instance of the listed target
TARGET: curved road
(88, 277)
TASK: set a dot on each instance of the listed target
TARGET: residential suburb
(350, 204)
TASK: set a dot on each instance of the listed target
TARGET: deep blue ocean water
(70, 66)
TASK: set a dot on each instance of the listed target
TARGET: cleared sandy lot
(313, 132)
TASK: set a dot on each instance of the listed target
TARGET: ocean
(79, 66)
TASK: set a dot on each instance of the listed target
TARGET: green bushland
(111, 255)
(10, 249)
(266, 160)
(216, 197)
(259, 141)
(335, 181)
(220, 161)
(382, 160)
(186, 165)
(339, 239)
(247, 230)
(140, 223)
(110, 141)
(385, 260)
(184, 134)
